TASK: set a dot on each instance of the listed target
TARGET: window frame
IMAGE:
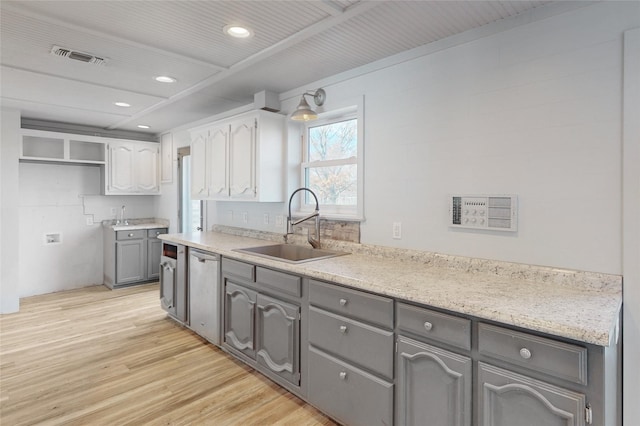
(351, 110)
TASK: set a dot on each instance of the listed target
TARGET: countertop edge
(601, 334)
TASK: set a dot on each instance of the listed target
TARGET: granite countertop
(135, 224)
(576, 305)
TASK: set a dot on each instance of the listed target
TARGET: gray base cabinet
(347, 393)
(433, 385)
(239, 318)
(131, 256)
(277, 341)
(365, 359)
(351, 354)
(263, 321)
(510, 399)
(173, 282)
(130, 260)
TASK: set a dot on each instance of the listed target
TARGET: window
(332, 164)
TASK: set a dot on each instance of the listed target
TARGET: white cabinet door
(218, 158)
(242, 165)
(199, 188)
(121, 163)
(146, 163)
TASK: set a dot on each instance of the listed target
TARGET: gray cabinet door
(239, 314)
(510, 399)
(168, 285)
(434, 385)
(278, 337)
(131, 263)
(154, 251)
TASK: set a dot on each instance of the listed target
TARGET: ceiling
(293, 43)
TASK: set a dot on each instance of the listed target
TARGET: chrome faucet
(315, 242)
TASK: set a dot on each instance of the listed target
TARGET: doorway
(190, 212)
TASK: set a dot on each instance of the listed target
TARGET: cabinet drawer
(356, 304)
(130, 235)
(558, 359)
(434, 325)
(153, 233)
(285, 283)
(239, 269)
(367, 346)
(347, 393)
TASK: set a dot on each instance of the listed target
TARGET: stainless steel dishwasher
(204, 294)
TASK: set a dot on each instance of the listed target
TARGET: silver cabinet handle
(343, 375)
(525, 353)
(343, 329)
(343, 302)
(130, 235)
(428, 326)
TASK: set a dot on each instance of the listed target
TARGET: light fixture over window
(237, 31)
(304, 112)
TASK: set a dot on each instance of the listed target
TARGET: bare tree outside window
(331, 168)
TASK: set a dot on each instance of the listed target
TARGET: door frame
(184, 152)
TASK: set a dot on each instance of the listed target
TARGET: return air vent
(77, 56)
(491, 212)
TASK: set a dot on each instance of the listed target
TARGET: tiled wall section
(338, 230)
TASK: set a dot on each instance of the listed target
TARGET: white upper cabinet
(239, 159)
(132, 168)
(45, 146)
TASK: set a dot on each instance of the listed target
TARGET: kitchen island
(555, 320)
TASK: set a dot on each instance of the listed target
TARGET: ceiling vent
(77, 56)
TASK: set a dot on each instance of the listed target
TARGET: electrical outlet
(114, 211)
(279, 221)
(265, 218)
(397, 230)
(230, 216)
(89, 220)
(245, 217)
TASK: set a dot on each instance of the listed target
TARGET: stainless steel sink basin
(290, 253)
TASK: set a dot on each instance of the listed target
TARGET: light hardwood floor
(99, 357)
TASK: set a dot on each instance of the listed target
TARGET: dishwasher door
(204, 294)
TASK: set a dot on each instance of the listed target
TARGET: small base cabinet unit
(131, 256)
(173, 282)
(239, 159)
(525, 379)
(433, 384)
(262, 321)
(351, 346)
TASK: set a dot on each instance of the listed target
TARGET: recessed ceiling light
(165, 79)
(237, 31)
(122, 104)
(143, 126)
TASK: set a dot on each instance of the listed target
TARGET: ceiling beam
(305, 34)
(54, 21)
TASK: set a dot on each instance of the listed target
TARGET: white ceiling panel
(295, 42)
(52, 90)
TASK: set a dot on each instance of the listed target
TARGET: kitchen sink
(290, 253)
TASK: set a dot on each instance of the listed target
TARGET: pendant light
(304, 112)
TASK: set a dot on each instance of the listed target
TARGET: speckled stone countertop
(135, 224)
(577, 305)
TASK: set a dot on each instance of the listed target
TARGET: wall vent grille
(77, 55)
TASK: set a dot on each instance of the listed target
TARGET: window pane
(335, 185)
(333, 141)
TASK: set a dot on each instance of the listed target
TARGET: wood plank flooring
(99, 357)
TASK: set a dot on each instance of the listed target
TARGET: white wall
(631, 234)
(59, 199)
(9, 236)
(535, 111)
